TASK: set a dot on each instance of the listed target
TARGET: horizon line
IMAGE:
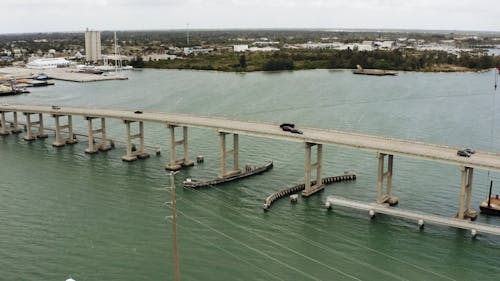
(327, 29)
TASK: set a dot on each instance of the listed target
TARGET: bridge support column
(105, 145)
(234, 152)
(131, 154)
(385, 197)
(15, 125)
(176, 164)
(41, 131)
(310, 190)
(71, 135)
(464, 209)
(59, 142)
(30, 135)
(3, 129)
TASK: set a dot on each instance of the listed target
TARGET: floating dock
(297, 188)
(419, 218)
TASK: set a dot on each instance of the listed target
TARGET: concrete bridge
(386, 148)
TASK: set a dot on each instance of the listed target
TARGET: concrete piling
(105, 145)
(232, 152)
(134, 154)
(464, 206)
(3, 129)
(385, 176)
(311, 189)
(30, 135)
(177, 164)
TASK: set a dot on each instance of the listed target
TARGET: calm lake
(93, 217)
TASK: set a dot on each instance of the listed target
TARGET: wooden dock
(419, 218)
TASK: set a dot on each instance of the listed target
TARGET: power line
(241, 214)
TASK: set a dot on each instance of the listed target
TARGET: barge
(249, 171)
(376, 72)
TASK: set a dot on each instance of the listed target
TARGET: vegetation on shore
(407, 60)
(19, 48)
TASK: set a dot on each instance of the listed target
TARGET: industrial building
(48, 63)
(92, 45)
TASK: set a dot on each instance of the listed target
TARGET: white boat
(110, 69)
(92, 69)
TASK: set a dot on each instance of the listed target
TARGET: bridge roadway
(441, 153)
(386, 148)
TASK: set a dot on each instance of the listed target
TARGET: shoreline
(22, 71)
(468, 70)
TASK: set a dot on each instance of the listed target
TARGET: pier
(419, 218)
(313, 140)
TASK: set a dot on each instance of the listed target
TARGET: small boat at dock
(249, 171)
(491, 206)
(9, 90)
(90, 69)
(41, 77)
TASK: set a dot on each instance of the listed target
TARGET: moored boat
(491, 206)
(91, 69)
(9, 90)
(376, 72)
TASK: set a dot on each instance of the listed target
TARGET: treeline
(407, 60)
(162, 38)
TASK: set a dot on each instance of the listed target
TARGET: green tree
(278, 64)
(137, 62)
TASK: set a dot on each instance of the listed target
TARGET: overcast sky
(76, 15)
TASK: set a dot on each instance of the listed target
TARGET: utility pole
(174, 228)
(187, 31)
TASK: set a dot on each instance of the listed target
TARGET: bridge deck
(442, 153)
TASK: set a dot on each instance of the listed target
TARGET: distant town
(255, 50)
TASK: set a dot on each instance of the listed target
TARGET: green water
(94, 217)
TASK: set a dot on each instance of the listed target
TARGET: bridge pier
(464, 209)
(385, 197)
(30, 135)
(104, 145)
(310, 190)
(176, 164)
(59, 142)
(15, 124)
(139, 154)
(234, 152)
(3, 129)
